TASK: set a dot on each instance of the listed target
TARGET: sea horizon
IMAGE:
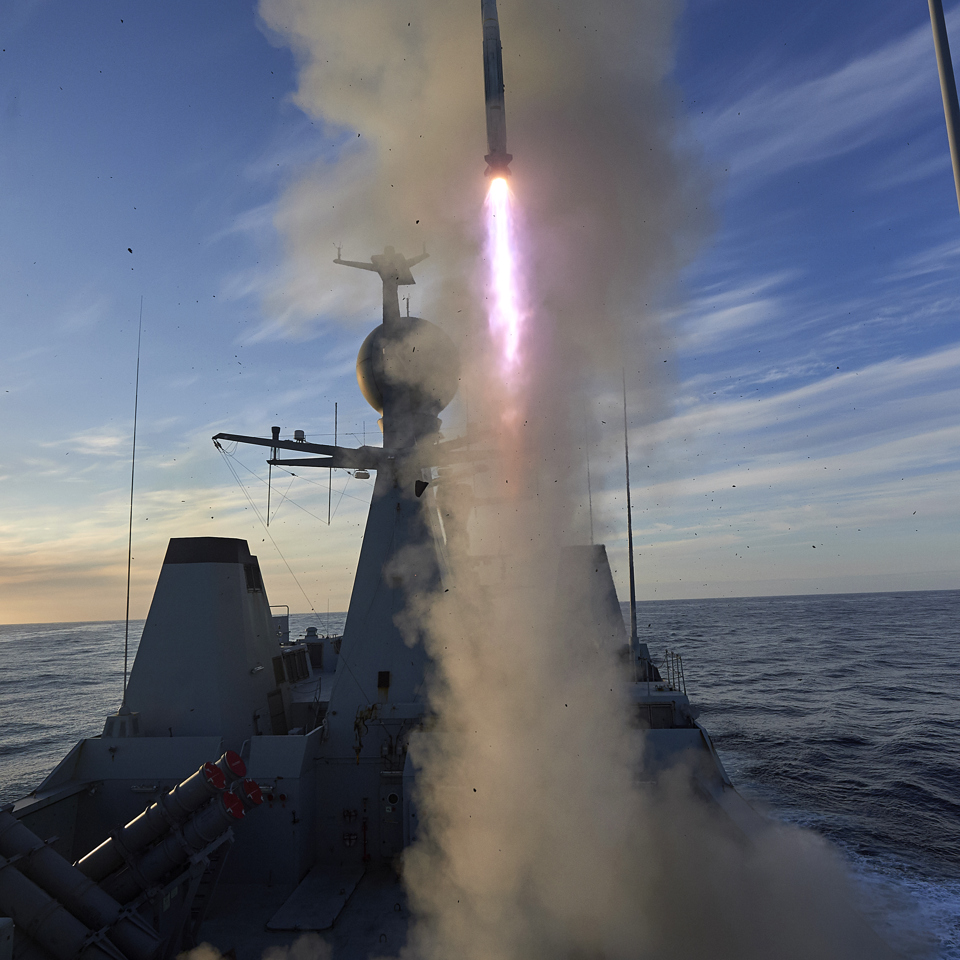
(624, 604)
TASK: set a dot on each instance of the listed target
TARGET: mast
(948, 87)
(634, 639)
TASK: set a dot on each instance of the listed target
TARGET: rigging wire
(269, 488)
(227, 458)
(342, 492)
(133, 467)
(297, 476)
(259, 516)
(283, 496)
(330, 478)
(316, 483)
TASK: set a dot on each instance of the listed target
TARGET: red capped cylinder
(249, 793)
(232, 804)
(214, 776)
(232, 766)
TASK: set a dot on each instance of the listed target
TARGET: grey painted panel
(282, 756)
(317, 902)
(151, 759)
(277, 841)
(112, 782)
(587, 598)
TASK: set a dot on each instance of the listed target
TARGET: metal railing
(672, 672)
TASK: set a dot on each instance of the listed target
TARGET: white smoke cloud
(308, 946)
(537, 841)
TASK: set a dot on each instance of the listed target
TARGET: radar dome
(410, 364)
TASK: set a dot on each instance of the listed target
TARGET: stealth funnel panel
(587, 598)
(203, 667)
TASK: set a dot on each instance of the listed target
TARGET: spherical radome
(365, 376)
(413, 363)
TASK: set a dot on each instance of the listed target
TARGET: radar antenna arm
(326, 462)
(358, 264)
(393, 269)
(349, 458)
(419, 258)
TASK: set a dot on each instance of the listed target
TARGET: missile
(497, 159)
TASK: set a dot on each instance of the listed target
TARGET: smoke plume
(537, 838)
(308, 946)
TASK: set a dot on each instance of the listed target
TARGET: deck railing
(672, 672)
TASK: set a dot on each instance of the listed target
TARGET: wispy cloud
(899, 393)
(84, 314)
(941, 258)
(79, 544)
(301, 142)
(781, 125)
(254, 222)
(721, 311)
(96, 443)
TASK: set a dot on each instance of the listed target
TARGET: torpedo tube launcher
(497, 159)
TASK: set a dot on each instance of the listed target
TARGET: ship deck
(373, 923)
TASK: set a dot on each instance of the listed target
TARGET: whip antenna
(586, 447)
(634, 640)
(133, 467)
(330, 479)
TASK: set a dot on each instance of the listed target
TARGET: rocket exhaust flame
(505, 315)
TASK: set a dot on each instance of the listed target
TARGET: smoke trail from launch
(535, 840)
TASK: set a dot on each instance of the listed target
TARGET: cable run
(226, 459)
(299, 476)
(283, 496)
(256, 510)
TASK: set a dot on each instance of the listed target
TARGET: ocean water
(837, 713)
(842, 714)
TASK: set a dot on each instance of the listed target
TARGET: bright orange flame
(505, 318)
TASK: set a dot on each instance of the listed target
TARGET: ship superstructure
(138, 846)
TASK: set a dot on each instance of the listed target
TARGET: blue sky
(817, 349)
(811, 441)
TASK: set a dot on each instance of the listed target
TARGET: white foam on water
(918, 917)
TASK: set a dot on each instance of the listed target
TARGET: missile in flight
(497, 159)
